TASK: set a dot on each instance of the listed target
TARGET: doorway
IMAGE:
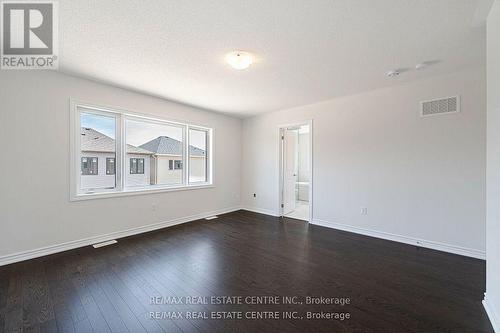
(296, 171)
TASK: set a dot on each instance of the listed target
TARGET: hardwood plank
(64, 303)
(132, 302)
(14, 302)
(49, 326)
(90, 306)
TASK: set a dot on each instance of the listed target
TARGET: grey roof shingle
(95, 141)
(167, 146)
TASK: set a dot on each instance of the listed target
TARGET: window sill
(139, 191)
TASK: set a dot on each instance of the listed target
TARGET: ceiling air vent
(440, 106)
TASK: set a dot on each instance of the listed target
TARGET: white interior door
(290, 143)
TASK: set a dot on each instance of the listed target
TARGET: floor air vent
(98, 245)
(440, 106)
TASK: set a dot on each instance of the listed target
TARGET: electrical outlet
(363, 211)
(255, 195)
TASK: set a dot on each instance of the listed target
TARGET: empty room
(250, 166)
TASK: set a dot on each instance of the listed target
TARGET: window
(136, 166)
(140, 165)
(178, 165)
(175, 165)
(140, 153)
(90, 166)
(198, 140)
(110, 166)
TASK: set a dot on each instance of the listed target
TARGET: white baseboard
(492, 314)
(30, 254)
(474, 253)
(260, 211)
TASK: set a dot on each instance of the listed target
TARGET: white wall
(35, 210)
(419, 177)
(493, 166)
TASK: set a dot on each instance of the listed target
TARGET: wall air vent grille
(440, 106)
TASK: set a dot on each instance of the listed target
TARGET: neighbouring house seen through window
(198, 163)
(97, 144)
(154, 145)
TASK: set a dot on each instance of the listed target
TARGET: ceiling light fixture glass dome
(239, 60)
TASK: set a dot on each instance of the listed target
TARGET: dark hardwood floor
(390, 287)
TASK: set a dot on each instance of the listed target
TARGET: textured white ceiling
(307, 51)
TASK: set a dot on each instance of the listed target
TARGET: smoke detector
(421, 65)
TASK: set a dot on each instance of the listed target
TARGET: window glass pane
(97, 145)
(140, 166)
(110, 166)
(151, 147)
(133, 166)
(197, 156)
(178, 165)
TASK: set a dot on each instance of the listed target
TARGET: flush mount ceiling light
(239, 60)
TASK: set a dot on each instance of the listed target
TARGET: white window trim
(120, 190)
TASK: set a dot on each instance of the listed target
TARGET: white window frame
(121, 116)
